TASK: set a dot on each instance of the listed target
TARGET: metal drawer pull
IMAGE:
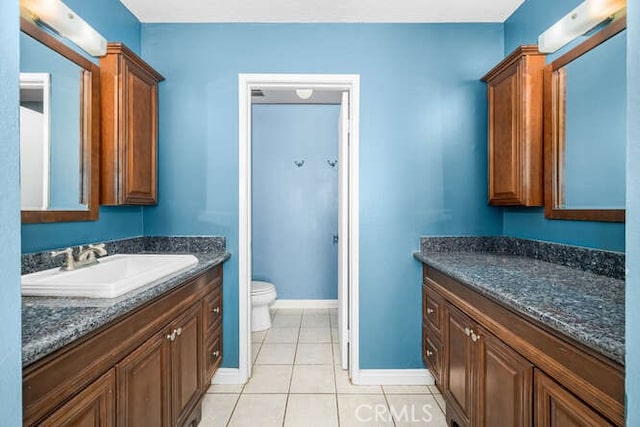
(429, 353)
(216, 310)
(216, 354)
(429, 311)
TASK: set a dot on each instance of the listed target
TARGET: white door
(343, 231)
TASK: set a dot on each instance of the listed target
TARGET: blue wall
(632, 365)
(10, 350)
(422, 148)
(295, 209)
(115, 23)
(524, 27)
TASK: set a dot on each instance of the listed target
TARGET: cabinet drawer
(432, 314)
(213, 355)
(432, 355)
(213, 310)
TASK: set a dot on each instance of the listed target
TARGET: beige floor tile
(316, 321)
(315, 335)
(334, 335)
(286, 321)
(282, 335)
(433, 389)
(216, 409)
(344, 386)
(441, 402)
(225, 388)
(312, 379)
(311, 410)
(415, 410)
(255, 350)
(258, 336)
(363, 410)
(336, 354)
(316, 311)
(276, 354)
(269, 379)
(405, 389)
(314, 354)
(264, 410)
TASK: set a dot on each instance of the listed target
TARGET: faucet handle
(99, 249)
(68, 259)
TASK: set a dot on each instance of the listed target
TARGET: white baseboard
(305, 303)
(394, 377)
(228, 376)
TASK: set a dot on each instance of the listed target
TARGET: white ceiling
(288, 96)
(322, 10)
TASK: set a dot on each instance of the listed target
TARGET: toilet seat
(261, 288)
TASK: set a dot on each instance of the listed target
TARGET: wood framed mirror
(59, 130)
(585, 129)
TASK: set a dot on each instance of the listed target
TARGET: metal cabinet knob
(474, 337)
(429, 353)
(216, 310)
(429, 311)
(172, 336)
(467, 331)
(216, 353)
(179, 331)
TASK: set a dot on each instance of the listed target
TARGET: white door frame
(246, 82)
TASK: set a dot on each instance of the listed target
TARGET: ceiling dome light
(304, 93)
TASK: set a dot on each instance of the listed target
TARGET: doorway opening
(337, 89)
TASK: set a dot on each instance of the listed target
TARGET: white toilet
(262, 295)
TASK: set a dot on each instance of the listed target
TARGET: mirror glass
(585, 129)
(50, 129)
(595, 127)
(59, 129)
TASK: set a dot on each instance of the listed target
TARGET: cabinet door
(139, 135)
(504, 382)
(458, 362)
(186, 362)
(144, 384)
(557, 407)
(93, 407)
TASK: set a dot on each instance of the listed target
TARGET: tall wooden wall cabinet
(515, 128)
(128, 157)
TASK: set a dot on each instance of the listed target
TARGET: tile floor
(297, 381)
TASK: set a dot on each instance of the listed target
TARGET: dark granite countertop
(49, 323)
(579, 304)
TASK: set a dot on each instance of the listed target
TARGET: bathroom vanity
(513, 340)
(145, 358)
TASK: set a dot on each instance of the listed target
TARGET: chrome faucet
(85, 257)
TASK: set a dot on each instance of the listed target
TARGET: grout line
(384, 395)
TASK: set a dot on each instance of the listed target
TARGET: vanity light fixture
(304, 93)
(580, 20)
(57, 16)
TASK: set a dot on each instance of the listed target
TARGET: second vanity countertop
(587, 307)
(50, 323)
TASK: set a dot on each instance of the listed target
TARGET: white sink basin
(111, 277)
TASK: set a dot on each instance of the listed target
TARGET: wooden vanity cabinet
(129, 128)
(514, 90)
(149, 368)
(500, 369)
(94, 406)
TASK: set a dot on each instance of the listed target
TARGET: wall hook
(298, 163)
(332, 163)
